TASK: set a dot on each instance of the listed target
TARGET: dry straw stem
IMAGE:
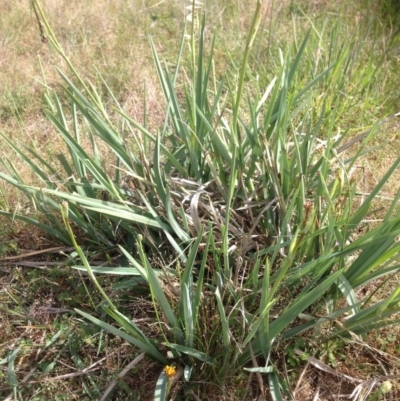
(121, 375)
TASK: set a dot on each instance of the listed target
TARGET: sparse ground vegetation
(199, 200)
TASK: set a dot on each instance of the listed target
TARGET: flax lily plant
(238, 212)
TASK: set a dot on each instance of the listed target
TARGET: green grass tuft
(237, 213)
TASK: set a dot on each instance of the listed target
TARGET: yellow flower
(170, 371)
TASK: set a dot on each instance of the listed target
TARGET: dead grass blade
(124, 371)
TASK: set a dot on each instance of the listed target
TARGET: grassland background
(113, 36)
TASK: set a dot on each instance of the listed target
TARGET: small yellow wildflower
(170, 371)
